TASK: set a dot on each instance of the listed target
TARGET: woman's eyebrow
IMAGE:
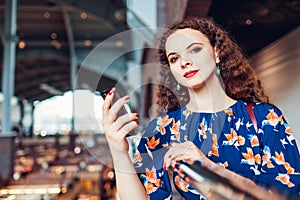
(172, 53)
(192, 44)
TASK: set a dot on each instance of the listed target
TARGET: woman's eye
(173, 59)
(196, 50)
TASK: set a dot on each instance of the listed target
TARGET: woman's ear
(217, 55)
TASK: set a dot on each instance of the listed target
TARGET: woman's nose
(185, 62)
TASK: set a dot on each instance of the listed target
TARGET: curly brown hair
(239, 79)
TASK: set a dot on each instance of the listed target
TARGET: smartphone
(124, 110)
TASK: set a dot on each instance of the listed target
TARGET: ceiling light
(248, 22)
(46, 15)
(83, 15)
(87, 43)
(53, 36)
(56, 44)
(119, 15)
(22, 44)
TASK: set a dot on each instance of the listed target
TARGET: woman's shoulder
(263, 107)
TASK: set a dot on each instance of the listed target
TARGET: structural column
(9, 61)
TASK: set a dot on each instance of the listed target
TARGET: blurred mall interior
(56, 55)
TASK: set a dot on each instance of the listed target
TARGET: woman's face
(191, 57)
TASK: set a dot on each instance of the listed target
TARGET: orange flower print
(163, 122)
(267, 157)
(137, 157)
(289, 168)
(150, 187)
(232, 137)
(214, 149)
(288, 130)
(228, 111)
(223, 165)
(250, 158)
(203, 128)
(151, 177)
(272, 119)
(254, 140)
(285, 179)
(187, 113)
(152, 143)
(241, 140)
(151, 183)
(279, 158)
(175, 130)
(181, 184)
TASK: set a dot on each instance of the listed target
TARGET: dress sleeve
(280, 165)
(148, 162)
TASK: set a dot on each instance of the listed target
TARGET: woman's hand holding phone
(117, 121)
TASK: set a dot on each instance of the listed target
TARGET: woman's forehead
(182, 37)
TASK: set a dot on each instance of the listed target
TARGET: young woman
(207, 85)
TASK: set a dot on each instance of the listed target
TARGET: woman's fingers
(176, 152)
(127, 128)
(111, 109)
(124, 124)
(117, 127)
(107, 102)
(187, 151)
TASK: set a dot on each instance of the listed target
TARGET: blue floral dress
(269, 156)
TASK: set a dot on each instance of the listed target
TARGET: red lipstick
(190, 73)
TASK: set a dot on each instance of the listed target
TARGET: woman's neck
(211, 97)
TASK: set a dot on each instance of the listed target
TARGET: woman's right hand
(116, 128)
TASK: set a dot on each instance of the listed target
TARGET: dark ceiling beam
(38, 94)
(22, 76)
(46, 54)
(30, 85)
(30, 8)
(92, 9)
(98, 10)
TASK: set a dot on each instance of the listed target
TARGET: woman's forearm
(128, 184)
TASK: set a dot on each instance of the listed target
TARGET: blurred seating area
(46, 168)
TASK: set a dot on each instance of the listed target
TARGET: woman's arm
(237, 187)
(116, 128)
(128, 184)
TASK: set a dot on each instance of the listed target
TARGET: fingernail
(126, 98)
(136, 115)
(170, 156)
(137, 122)
(111, 91)
(165, 167)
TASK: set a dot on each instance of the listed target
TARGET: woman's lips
(190, 73)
